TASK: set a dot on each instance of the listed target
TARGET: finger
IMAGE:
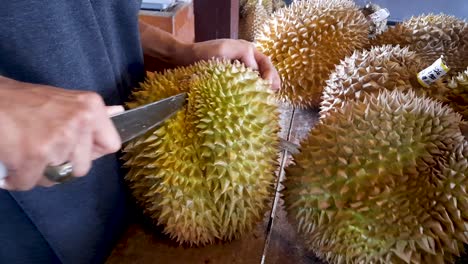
(104, 134)
(267, 70)
(248, 57)
(106, 139)
(24, 178)
(44, 182)
(114, 109)
(80, 157)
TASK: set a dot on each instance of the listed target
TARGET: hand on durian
(165, 47)
(43, 125)
(241, 50)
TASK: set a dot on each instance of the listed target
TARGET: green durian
(382, 180)
(306, 39)
(458, 93)
(207, 174)
(432, 36)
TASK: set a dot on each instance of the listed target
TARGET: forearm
(163, 46)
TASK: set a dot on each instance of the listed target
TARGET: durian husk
(432, 36)
(207, 173)
(368, 71)
(382, 180)
(306, 39)
(458, 93)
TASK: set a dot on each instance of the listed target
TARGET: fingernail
(3, 171)
(2, 184)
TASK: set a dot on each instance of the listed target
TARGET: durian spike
(431, 36)
(458, 93)
(208, 172)
(382, 180)
(306, 39)
(367, 71)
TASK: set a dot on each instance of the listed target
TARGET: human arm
(43, 125)
(165, 47)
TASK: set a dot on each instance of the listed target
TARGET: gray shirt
(74, 44)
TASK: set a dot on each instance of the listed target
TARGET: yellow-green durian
(458, 93)
(368, 71)
(207, 173)
(306, 39)
(383, 180)
(432, 36)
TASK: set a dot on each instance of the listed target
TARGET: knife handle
(60, 173)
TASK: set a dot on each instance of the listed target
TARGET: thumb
(114, 109)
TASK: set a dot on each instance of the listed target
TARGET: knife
(133, 123)
(129, 124)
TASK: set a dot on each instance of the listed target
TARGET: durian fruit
(368, 71)
(432, 36)
(382, 180)
(376, 27)
(207, 173)
(253, 14)
(306, 39)
(458, 94)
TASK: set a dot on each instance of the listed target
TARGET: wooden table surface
(272, 241)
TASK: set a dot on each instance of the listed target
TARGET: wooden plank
(216, 19)
(142, 244)
(284, 246)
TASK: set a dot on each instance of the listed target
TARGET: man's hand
(165, 47)
(235, 50)
(43, 125)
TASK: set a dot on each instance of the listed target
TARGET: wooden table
(273, 241)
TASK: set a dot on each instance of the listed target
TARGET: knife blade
(135, 122)
(129, 124)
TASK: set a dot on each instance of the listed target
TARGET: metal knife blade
(135, 122)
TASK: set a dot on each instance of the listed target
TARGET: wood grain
(143, 244)
(284, 245)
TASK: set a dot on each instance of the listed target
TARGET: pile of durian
(382, 177)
